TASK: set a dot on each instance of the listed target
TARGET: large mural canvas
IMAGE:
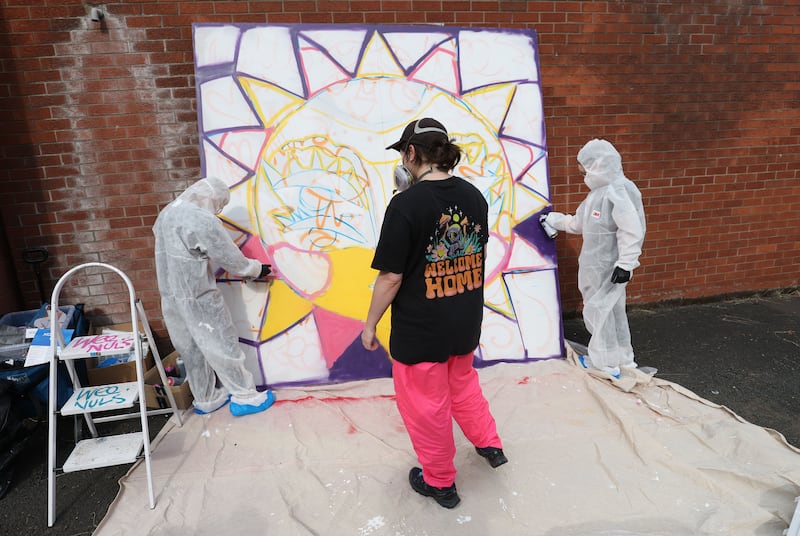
(296, 119)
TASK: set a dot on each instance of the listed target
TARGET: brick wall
(701, 98)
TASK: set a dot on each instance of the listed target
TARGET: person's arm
(386, 286)
(630, 234)
(223, 252)
(629, 219)
(567, 222)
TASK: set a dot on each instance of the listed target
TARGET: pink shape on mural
(252, 248)
(336, 333)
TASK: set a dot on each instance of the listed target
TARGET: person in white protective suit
(611, 220)
(191, 243)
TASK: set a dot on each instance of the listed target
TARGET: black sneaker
(447, 497)
(493, 454)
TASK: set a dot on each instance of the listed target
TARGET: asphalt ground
(741, 353)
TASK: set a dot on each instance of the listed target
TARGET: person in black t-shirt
(431, 262)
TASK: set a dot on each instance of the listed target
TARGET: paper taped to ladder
(120, 372)
(103, 346)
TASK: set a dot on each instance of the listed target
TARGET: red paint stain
(335, 399)
(524, 381)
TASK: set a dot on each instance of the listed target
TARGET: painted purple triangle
(531, 231)
(358, 363)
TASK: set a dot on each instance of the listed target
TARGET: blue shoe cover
(201, 412)
(240, 410)
(612, 371)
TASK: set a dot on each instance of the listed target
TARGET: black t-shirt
(435, 234)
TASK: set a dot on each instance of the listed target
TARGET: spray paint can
(181, 367)
(551, 231)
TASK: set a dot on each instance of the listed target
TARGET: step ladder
(109, 450)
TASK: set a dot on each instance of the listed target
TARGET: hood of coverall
(602, 162)
(210, 193)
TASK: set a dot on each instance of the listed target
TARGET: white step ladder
(110, 450)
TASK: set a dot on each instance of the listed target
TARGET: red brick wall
(701, 98)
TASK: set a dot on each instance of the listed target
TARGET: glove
(556, 220)
(266, 269)
(620, 275)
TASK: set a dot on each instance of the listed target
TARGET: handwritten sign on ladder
(101, 398)
(98, 345)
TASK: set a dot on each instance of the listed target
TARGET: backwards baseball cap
(420, 132)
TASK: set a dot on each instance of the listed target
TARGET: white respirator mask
(402, 178)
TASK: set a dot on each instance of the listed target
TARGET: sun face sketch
(296, 119)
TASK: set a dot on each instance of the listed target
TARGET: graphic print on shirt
(454, 255)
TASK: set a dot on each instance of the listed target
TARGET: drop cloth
(588, 456)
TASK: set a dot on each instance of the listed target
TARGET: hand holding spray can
(551, 231)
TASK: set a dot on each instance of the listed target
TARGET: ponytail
(444, 154)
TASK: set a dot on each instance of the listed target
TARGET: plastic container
(25, 319)
(18, 319)
(17, 352)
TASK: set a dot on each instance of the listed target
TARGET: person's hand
(556, 220)
(368, 339)
(266, 269)
(550, 217)
(620, 275)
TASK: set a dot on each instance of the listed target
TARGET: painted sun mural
(296, 119)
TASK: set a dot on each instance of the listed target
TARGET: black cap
(422, 132)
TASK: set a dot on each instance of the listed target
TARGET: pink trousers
(429, 396)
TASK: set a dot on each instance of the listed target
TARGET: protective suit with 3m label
(611, 220)
(191, 243)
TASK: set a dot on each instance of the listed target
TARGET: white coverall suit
(611, 220)
(191, 243)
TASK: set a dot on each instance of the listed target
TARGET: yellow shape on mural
(350, 289)
(271, 102)
(285, 308)
(347, 295)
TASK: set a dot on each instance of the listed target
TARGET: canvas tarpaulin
(588, 455)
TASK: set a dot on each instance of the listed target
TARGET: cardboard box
(182, 393)
(124, 372)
